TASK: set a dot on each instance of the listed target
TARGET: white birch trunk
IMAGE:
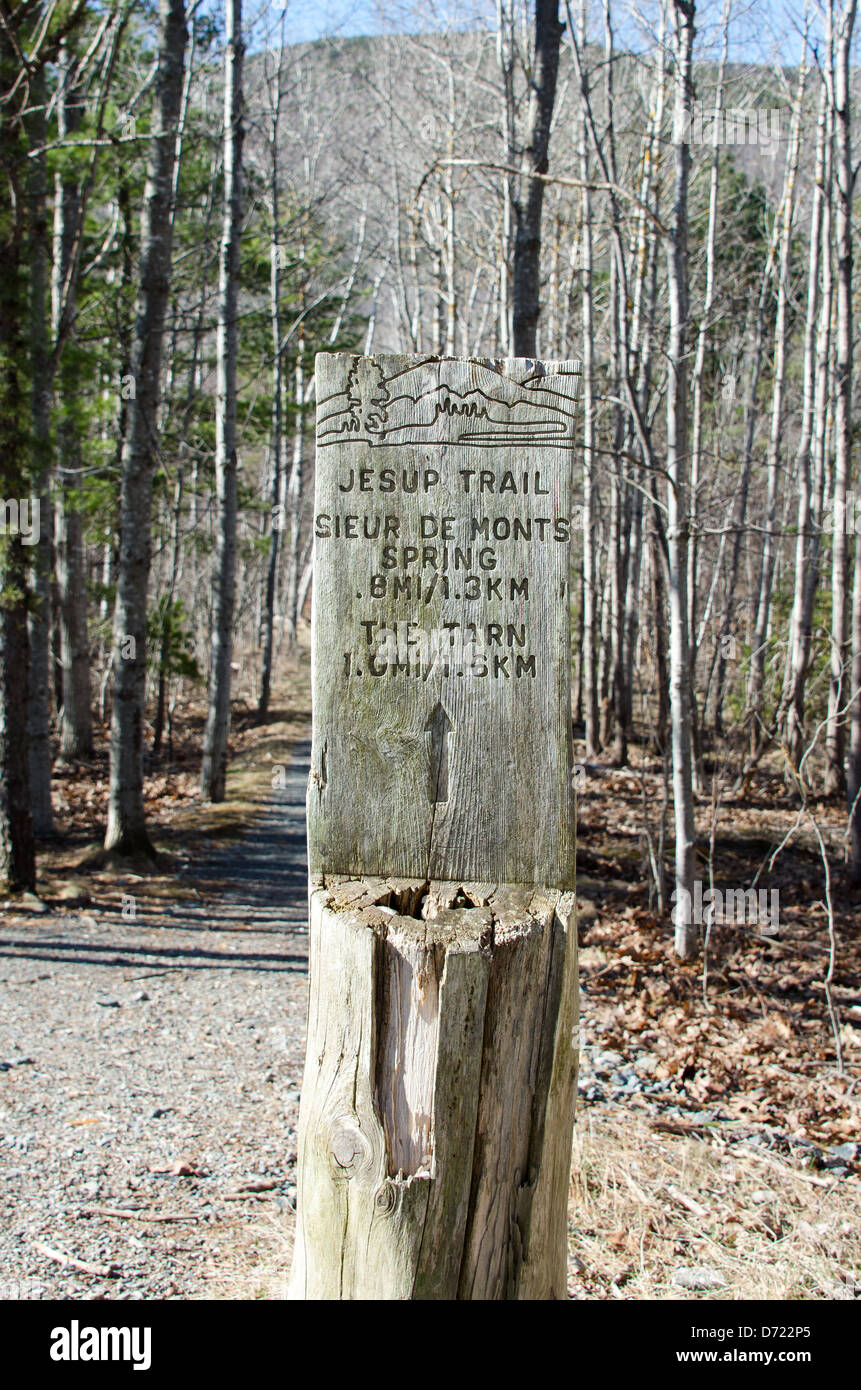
(843, 429)
(678, 473)
(769, 549)
(590, 669)
(276, 500)
(809, 497)
(699, 365)
(294, 501)
(839, 688)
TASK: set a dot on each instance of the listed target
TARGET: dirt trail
(151, 1067)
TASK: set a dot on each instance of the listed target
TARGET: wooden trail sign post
(437, 1105)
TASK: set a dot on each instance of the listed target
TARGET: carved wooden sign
(441, 656)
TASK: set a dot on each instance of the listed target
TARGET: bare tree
(845, 186)
(214, 770)
(505, 59)
(698, 370)
(77, 726)
(837, 76)
(38, 709)
(276, 444)
(678, 480)
(526, 275)
(590, 672)
(810, 444)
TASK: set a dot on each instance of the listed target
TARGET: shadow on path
(231, 905)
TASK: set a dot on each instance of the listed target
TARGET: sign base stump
(438, 1100)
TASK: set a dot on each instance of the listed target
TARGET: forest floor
(152, 1040)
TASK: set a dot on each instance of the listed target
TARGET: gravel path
(150, 1072)
(151, 1068)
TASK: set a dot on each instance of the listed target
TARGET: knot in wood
(349, 1147)
(386, 1198)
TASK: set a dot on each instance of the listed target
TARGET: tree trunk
(809, 493)
(614, 730)
(449, 234)
(276, 500)
(644, 295)
(631, 614)
(838, 694)
(740, 500)
(590, 480)
(214, 770)
(505, 59)
(39, 706)
(294, 502)
(76, 738)
(845, 182)
(126, 831)
(657, 561)
(17, 849)
(769, 550)
(527, 212)
(438, 1098)
(167, 601)
(678, 474)
(305, 581)
(110, 562)
(697, 390)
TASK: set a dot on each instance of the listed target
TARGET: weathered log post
(437, 1106)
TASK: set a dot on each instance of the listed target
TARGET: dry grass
(644, 1204)
(249, 1258)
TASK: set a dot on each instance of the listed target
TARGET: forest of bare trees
(194, 205)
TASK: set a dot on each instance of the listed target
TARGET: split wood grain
(437, 1103)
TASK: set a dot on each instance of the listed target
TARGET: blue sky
(311, 19)
(314, 19)
(761, 30)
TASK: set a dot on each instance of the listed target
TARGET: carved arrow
(439, 726)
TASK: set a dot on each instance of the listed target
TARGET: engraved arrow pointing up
(439, 726)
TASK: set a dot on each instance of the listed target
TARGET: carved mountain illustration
(413, 406)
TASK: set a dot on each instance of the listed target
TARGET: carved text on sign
(441, 581)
